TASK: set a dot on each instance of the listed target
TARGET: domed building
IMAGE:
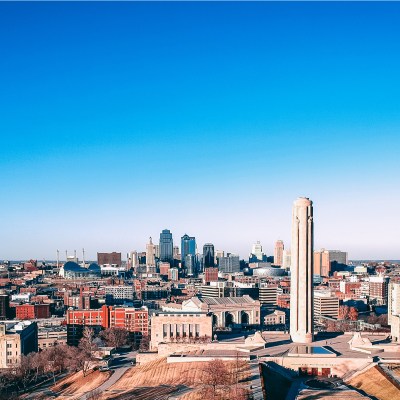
(72, 270)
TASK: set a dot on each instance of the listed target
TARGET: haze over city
(122, 120)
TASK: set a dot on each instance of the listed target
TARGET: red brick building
(211, 274)
(134, 320)
(32, 311)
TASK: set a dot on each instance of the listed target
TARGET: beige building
(325, 304)
(150, 254)
(51, 336)
(275, 318)
(227, 311)
(278, 253)
(394, 310)
(16, 338)
(167, 327)
(301, 296)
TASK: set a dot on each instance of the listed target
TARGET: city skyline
(137, 117)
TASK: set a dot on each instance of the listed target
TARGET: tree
(144, 344)
(115, 337)
(353, 314)
(87, 347)
(343, 312)
(87, 343)
(215, 378)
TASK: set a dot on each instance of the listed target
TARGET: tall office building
(218, 254)
(278, 253)
(188, 247)
(286, 259)
(166, 246)
(208, 255)
(190, 264)
(301, 296)
(229, 264)
(324, 260)
(256, 252)
(150, 254)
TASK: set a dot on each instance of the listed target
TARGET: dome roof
(71, 266)
(94, 267)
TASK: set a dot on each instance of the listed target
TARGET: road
(119, 366)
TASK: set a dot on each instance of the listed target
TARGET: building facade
(166, 246)
(167, 327)
(17, 339)
(278, 253)
(208, 255)
(229, 264)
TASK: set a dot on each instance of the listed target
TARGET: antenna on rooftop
(83, 256)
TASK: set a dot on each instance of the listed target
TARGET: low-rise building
(181, 326)
(16, 339)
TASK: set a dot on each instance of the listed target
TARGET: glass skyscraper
(188, 247)
(208, 255)
(166, 246)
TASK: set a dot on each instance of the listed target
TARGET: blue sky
(120, 120)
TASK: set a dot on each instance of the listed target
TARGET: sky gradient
(120, 120)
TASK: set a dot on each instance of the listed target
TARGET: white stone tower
(301, 291)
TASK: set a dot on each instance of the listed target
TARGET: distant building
(113, 259)
(32, 311)
(278, 253)
(268, 295)
(256, 253)
(5, 312)
(164, 268)
(188, 247)
(134, 320)
(276, 317)
(208, 255)
(227, 311)
(325, 260)
(166, 246)
(72, 270)
(218, 254)
(118, 294)
(51, 336)
(173, 274)
(150, 254)
(286, 259)
(214, 289)
(191, 264)
(325, 304)
(378, 290)
(229, 264)
(211, 274)
(17, 339)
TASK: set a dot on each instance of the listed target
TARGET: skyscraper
(188, 247)
(166, 246)
(278, 252)
(208, 255)
(150, 254)
(256, 252)
(301, 296)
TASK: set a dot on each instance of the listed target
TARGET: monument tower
(301, 291)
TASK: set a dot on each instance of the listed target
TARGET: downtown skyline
(206, 119)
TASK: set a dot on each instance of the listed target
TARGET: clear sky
(120, 120)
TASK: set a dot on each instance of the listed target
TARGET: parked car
(104, 369)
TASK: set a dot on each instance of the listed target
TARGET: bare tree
(144, 344)
(215, 379)
(115, 337)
